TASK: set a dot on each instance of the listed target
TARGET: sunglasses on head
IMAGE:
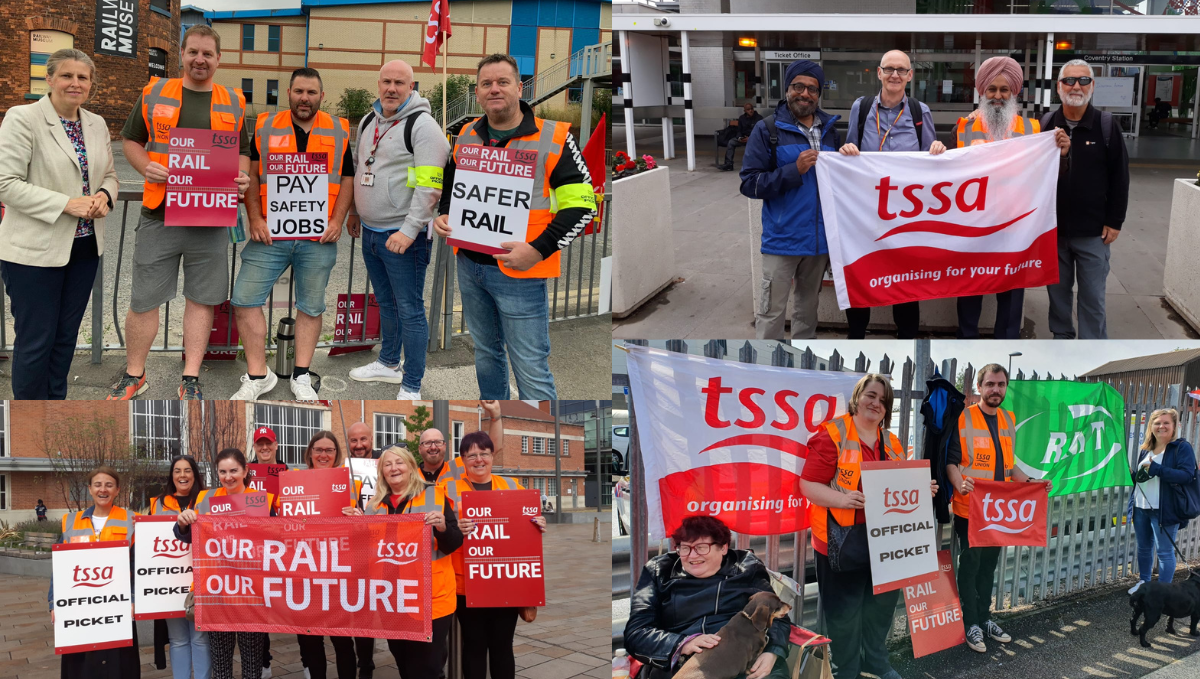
(1070, 82)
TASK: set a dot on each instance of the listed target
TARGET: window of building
(293, 428)
(3, 492)
(566, 447)
(248, 89)
(161, 6)
(158, 428)
(389, 430)
(459, 427)
(273, 38)
(524, 445)
(548, 485)
(272, 92)
(539, 445)
(247, 37)
(551, 446)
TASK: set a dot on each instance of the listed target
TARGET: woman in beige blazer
(57, 183)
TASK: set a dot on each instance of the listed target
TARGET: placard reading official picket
(297, 195)
(900, 523)
(93, 607)
(201, 186)
(489, 202)
(162, 576)
(503, 555)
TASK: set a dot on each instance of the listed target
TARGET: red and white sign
(265, 477)
(365, 470)
(728, 439)
(489, 202)
(348, 324)
(315, 492)
(910, 226)
(162, 574)
(201, 186)
(503, 555)
(249, 503)
(319, 576)
(93, 607)
(901, 530)
(297, 195)
(935, 618)
(1005, 514)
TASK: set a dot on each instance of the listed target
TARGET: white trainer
(266, 673)
(377, 372)
(302, 388)
(306, 674)
(252, 389)
(406, 395)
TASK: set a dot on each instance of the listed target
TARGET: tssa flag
(1072, 433)
(910, 226)
(1008, 514)
(727, 439)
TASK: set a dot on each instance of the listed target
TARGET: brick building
(34, 30)
(159, 430)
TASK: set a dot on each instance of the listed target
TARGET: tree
(355, 103)
(415, 426)
(79, 445)
(457, 85)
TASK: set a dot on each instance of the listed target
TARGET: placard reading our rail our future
(297, 195)
(489, 203)
(502, 557)
(201, 184)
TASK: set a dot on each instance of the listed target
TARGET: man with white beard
(1093, 193)
(998, 80)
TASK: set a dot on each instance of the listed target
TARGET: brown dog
(742, 641)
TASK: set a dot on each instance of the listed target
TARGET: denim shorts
(262, 265)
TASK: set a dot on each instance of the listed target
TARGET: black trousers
(907, 317)
(487, 641)
(107, 663)
(312, 652)
(220, 647)
(365, 648)
(422, 659)
(47, 305)
(1009, 315)
(976, 576)
(266, 651)
(857, 621)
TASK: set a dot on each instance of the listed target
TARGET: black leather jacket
(669, 605)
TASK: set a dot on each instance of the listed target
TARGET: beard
(999, 119)
(799, 107)
(296, 113)
(1080, 99)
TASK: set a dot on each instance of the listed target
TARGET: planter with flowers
(643, 237)
(1182, 269)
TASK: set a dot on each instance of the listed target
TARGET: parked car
(620, 448)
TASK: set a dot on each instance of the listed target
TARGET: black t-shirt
(954, 450)
(482, 486)
(302, 143)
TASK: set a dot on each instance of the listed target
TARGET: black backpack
(1106, 125)
(408, 126)
(772, 142)
(913, 107)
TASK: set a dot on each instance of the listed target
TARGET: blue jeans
(263, 264)
(399, 282)
(189, 650)
(1152, 538)
(505, 312)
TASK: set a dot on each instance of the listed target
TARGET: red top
(821, 465)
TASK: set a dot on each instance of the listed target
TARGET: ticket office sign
(297, 195)
(202, 168)
(490, 198)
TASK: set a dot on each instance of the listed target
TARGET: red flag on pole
(593, 155)
(436, 31)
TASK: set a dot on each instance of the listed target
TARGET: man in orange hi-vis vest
(998, 81)
(192, 101)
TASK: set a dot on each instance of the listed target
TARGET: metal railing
(1090, 543)
(572, 295)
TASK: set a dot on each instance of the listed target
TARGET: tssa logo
(92, 577)
(529, 511)
(900, 501)
(170, 549)
(339, 488)
(1023, 512)
(399, 553)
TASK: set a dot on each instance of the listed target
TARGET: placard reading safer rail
(201, 186)
(297, 195)
(489, 202)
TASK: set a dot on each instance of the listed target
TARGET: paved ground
(712, 296)
(569, 639)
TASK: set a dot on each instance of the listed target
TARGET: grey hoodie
(390, 204)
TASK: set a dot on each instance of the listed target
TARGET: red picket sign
(348, 323)
(315, 492)
(503, 556)
(265, 477)
(202, 190)
(934, 612)
(319, 576)
(250, 503)
(1008, 514)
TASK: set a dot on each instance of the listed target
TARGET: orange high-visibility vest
(169, 506)
(978, 452)
(78, 528)
(548, 141)
(849, 470)
(976, 134)
(161, 100)
(455, 489)
(433, 499)
(274, 134)
(451, 469)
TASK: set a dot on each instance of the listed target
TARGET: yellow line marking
(1037, 639)
(1135, 661)
(1155, 656)
(1096, 673)
(1082, 623)
(1007, 651)
(1024, 644)
(1067, 628)
(1114, 669)
(1174, 642)
(1060, 635)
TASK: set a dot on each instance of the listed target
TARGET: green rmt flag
(1072, 433)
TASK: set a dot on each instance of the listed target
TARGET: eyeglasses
(1070, 82)
(888, 70)
(702, 549)
(477, 456)
(800, 87)
(438, 442)
(326, 451)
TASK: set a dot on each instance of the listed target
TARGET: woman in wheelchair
(683, 597)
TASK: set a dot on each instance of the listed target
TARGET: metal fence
(1090, 543)
(575, 294)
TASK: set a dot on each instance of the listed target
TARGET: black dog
(742, 641)
(1176, 600)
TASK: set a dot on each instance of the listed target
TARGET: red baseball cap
(264, 433)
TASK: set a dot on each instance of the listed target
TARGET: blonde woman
(1165, 463)
(401, 489)
(57, 182)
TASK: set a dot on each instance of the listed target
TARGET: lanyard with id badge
(368, 177)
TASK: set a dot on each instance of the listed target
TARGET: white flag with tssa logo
(903, 227)
(726, 439)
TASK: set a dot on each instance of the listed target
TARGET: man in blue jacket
(794, 252)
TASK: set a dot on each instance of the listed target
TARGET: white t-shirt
(1147, 497)
(98, 523)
